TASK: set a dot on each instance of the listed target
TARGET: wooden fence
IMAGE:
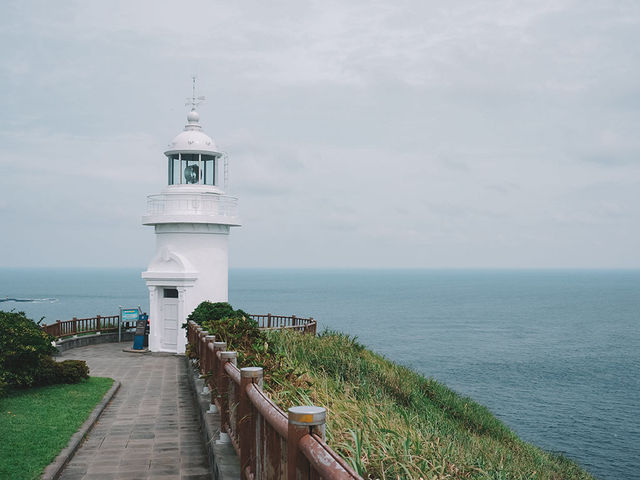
(269, 442)
(77, 326)
(279, 322)
(101, 323)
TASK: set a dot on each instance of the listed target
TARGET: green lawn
(36, 424)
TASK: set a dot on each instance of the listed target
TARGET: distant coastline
(28, 300)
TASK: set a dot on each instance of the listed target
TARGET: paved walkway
(151, 427)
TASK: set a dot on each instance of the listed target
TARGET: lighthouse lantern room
(192, 217)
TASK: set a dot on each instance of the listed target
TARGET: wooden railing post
(217, 347)
(203, 350)
(302, 421)
(293, 321)
(196, 340)
(268, 320)
(246, 420)
(223, 389)
(194, 337)
(206, 359)
(97, 323)
(59, 328)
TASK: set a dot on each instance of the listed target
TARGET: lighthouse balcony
(191, 208)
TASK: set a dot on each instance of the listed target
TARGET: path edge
(54, 469)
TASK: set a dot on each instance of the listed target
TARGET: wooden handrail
(279, 322)
(269, 410)
(269, 442)
(75, 326)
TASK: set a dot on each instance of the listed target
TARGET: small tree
(23, 348)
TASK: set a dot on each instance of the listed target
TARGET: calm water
(554, 354)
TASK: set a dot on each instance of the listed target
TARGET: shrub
(48, 372)
(23, 348)
(235, 327)
(69, 371)
(73, 371)
(25, 356)
(209, 311)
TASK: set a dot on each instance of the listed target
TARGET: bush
(25, 356)
(23, 348)
(73, 371)
(235, 327)
(69, 371)
(209, 312)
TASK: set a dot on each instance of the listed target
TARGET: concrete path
(150, 429)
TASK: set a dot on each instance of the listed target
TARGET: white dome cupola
(193, 156)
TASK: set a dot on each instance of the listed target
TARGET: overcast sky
(360, 134)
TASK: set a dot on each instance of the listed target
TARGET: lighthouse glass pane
(209, 170)
(174, 170)
(190, 168)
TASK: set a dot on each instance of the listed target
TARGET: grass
(36, 424)
(389, 422)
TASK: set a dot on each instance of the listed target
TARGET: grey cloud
(431, 133)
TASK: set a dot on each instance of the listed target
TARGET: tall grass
(390, 422)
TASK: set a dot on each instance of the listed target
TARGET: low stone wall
(84, 340)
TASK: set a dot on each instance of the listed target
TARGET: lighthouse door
(169, 338)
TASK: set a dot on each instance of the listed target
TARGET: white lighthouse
(192, 217)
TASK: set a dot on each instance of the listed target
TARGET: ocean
(555, 354)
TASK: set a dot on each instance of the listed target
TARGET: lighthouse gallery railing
(192, 204)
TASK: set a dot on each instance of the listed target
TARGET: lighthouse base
(176, 287)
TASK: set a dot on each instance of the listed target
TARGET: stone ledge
(224, 462)
(84, 340)
(53, 471)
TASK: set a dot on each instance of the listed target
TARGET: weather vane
(194, 101)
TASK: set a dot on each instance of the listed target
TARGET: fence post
(302, 421)
(203, 351)
(217, 346)
(196, 340)
(205, 360)
(59, 329)
(224, 391)
(246, 420)
(268, 320)
(293, 320)
(97, 323)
